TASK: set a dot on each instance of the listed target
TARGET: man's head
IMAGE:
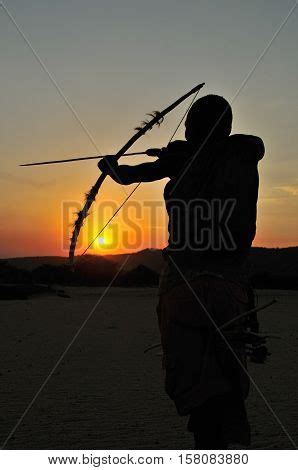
(209, 117)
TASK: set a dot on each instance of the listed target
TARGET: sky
(114, 61)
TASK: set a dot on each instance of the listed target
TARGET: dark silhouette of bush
(95, 270)
(48, 274)
(266, 280)
(139, 277)
(269, 268)
(10, 274)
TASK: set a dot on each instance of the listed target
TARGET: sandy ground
(108, 394)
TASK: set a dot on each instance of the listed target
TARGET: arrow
(149, 152)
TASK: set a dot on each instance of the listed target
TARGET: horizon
(132, 253)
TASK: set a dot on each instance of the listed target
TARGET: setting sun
(101, 241)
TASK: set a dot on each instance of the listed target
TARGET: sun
(101, 241)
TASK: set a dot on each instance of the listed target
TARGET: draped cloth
(198, 363)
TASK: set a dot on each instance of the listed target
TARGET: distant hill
(151, 258)
(88, 270)
(274, 268)
(30, 263)
(275, 260)
(141, 276)
(268, 267)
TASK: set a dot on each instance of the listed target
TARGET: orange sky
(37, 216)
(42, 224)
(39, 202)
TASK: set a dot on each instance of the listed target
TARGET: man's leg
(220, 422)
(235, 425)
(205, 423)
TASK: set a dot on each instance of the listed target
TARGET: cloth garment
(198, 363)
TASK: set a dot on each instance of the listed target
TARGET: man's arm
(125, 174)
(169, 163)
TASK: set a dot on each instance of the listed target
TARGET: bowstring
(182, 119)
(137, 186)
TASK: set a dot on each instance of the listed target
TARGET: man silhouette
(211, 200)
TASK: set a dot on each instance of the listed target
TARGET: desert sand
(108, 394)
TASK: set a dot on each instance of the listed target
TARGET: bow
(157, 118)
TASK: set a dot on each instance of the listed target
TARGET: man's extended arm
(169, 163)
(125, 174)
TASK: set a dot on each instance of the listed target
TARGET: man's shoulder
(246, 146)
(237, 159)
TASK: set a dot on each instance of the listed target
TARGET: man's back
(217, 199)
